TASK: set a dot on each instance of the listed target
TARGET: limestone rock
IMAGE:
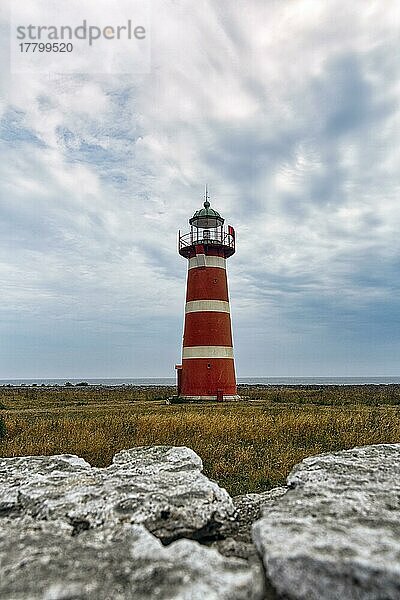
(248, 510)
(159, 487)
(335, 534)
(44, 560)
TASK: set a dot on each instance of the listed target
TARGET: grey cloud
(293, 125)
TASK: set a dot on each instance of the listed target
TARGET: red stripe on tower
(208, 370)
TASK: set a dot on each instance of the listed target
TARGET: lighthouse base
(213, 398)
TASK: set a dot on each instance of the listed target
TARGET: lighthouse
(207, 371)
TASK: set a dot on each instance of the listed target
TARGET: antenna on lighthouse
(206, 198)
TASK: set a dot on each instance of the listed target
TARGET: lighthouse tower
(207, 371)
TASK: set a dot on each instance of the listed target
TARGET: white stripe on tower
(207, 352)
(207, 306)
(211, 261)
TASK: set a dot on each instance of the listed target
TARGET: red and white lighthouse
(207, 371)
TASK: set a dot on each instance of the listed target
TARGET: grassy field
(245, 446)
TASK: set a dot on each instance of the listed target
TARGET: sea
(168, 381)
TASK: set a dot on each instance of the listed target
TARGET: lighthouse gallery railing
(218, 237)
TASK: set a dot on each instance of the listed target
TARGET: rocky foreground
(152, 526)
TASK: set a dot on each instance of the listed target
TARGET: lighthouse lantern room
(207, 371)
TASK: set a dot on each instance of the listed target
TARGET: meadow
(246, 446)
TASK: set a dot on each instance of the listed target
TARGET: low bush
(3, 429)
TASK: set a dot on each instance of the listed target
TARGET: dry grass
(245, 446)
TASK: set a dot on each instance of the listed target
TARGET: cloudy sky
(290, 111)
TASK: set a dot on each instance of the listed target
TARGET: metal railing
(207, 237)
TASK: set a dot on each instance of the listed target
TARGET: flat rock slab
(159, 487)
(248, 510)
(335, 535)
(44, 560)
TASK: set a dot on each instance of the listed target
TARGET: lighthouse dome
(206, 217)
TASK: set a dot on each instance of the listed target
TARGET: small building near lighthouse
(207, 371)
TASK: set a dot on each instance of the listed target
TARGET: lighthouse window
(209, 366)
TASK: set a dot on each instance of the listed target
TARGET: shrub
(3, 429)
